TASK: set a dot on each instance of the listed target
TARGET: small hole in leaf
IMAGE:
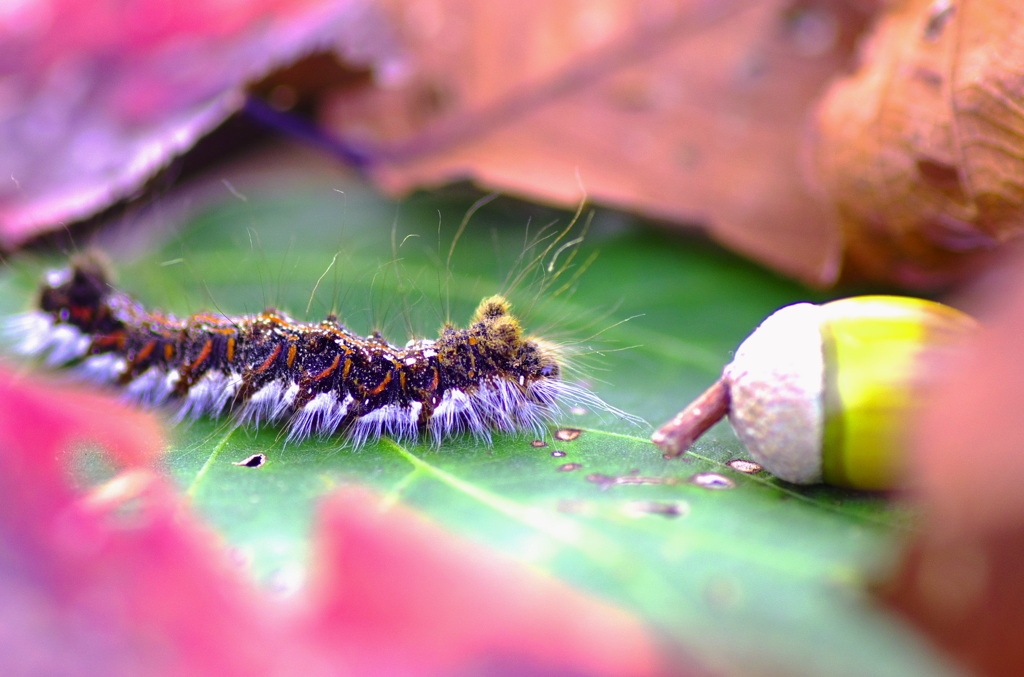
(254, 461)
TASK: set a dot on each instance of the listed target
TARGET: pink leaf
(124, 580)
(96, 97)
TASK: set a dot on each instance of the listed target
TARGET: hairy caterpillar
(318, 378)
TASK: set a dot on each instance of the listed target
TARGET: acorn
(824, 393)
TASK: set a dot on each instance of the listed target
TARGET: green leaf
(761, 577)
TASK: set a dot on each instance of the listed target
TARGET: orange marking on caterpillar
(113, 340)
(267, 363)
(146, 351)
(203, 355)
(328, 371)
(382, 385)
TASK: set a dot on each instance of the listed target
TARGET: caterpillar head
(502, 337)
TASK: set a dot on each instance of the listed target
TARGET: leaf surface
(759, 577)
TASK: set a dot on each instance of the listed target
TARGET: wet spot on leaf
(567, 434)
(745, 466)
(723, 593)
(605, 481)
(684, 458)
(120, 490)
(602, 480)
(537, 444)
(576, 506)
(254, 461)
(558, 453)
(663, 508)
(712, 480)
(567, 467)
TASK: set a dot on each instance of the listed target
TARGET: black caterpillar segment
(319, 378)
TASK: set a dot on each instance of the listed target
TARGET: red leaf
(398, 589)
(124, 581)
(961, 580)
(121, 586)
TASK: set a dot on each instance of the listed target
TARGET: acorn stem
(676, 436)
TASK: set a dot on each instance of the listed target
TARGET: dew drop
(567, 467)
(712, 480)
(254, 461)
(567, 434)
(745, 466)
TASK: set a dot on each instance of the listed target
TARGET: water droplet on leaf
(712, 480)
(567, 434)
(745, 466)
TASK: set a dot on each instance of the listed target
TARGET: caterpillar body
(317, 378)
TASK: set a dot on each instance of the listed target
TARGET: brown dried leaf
(690, 111)
(922, 151)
